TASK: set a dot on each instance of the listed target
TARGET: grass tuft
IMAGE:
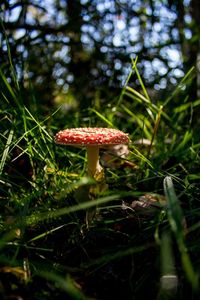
(150, 206)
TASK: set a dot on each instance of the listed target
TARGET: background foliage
(79, 52)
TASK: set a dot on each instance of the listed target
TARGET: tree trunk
(79, 63)
(195, 13)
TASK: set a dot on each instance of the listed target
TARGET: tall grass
(44, 240)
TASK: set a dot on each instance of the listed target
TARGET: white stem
(93, 160)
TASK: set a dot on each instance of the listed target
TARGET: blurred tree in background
(79, 52)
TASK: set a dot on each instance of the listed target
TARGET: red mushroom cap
(91, 136)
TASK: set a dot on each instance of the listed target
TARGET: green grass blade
(142, 84)
(137, 94)
(169, 278)
(141, 157)
(175, 214)
(102, 117)
(167, 257)
(8, 88)
(157, 123)
(38, 124)
(134, 62)
(142, 121)
(67, 284)
(37, 218)
(6, 150)
(187, 105)
(186, 138)
(106, 258)
(13, 71)
(176, 220)
(45, 234)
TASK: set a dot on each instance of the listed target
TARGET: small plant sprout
(92, 139)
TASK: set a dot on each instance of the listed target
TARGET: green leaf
(177, 223)
(6, 150)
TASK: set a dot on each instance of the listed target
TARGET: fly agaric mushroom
(92, 139)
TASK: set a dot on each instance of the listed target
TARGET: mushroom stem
(93, 160)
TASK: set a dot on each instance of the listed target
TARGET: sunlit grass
(148, 215)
